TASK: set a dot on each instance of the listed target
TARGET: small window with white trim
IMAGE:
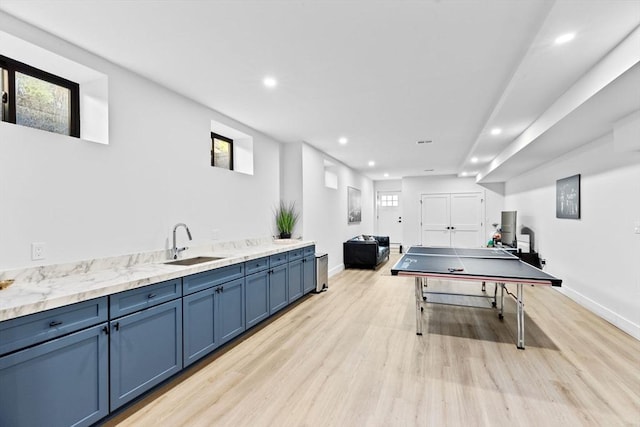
(389, 200)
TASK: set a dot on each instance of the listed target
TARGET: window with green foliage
(37, 99)
(221, 151)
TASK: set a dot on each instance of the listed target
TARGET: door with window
(390, 215)
(452, 219)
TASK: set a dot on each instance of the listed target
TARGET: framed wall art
(568, 197)
(354, 205)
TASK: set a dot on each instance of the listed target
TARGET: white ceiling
(383, 73)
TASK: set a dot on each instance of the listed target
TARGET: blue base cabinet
(295, 280)
(230, 310)
(257, 298)
(73, 365)
(199, 325)
(145, 349)
(278, 284)
(212, 317)
(309, 271)
(63, 382)
(302, 272)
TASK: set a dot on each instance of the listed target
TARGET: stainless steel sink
(194, 260)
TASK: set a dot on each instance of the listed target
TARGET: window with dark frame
(221, 151)
(38, 99)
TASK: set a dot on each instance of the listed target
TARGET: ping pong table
(472, 264)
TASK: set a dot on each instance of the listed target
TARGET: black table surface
(484, 264)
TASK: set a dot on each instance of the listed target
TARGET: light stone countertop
(46, 287)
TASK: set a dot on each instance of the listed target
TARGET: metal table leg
(494, 303)
(520, 314)
(418, 284)
(501, 313)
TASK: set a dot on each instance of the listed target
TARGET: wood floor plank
(350, 357)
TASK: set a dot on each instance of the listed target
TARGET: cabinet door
(295, 280)
(200, 336)
(278, 287)
(230, 309)
(257, 298)
(62, 382)
(145, 349)
(309, 273)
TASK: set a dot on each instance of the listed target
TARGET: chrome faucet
(176, 249)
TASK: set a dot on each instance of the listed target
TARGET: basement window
(35, 98)
(221, 151)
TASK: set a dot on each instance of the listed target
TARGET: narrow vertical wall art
(568, 197)
(354, 205)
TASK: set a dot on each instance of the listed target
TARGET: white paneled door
(436, 219)
(452, 219)
(390, 215)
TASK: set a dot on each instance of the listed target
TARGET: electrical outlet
(38, 251)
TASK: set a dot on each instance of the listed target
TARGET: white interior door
(452, 219)
(436, 219)
(466, 220)
(390, 215)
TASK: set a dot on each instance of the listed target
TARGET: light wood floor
(350, 357)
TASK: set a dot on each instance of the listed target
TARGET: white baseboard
(615, 319)
(335, 270)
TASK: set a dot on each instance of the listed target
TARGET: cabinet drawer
(138, 299)
(279, 259)
(39, 327)
(309, 250)
(256, 265)
(296, 254)
(207, 279)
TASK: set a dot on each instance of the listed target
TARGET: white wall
(388, 185)
(87, 200)
(414, 187)
(598, 256)
(291, 174)
(324, 216)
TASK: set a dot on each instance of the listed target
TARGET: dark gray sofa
(365, 251)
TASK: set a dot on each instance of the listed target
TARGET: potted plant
(286, 218)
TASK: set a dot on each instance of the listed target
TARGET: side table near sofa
(365, 251)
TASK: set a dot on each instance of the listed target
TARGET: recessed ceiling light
(343, 140)
(474, 160)
(386, 175)
(463, 174)
(496, 131)
(270, 82)
(372, 163)
(565, 38)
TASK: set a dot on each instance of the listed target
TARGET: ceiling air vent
(425, 141)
